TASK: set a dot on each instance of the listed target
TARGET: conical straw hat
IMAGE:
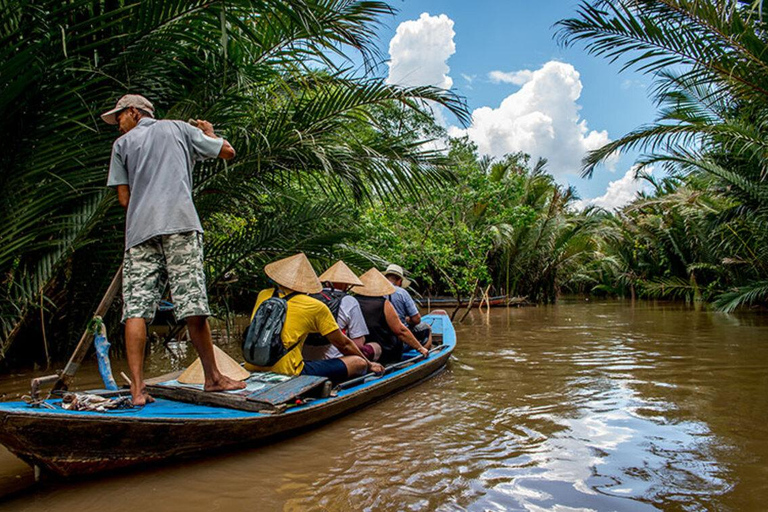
(375, 284)
(227, 366)
(340, 273)
(294, 273)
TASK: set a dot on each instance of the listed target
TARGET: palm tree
(262, 69)
(710, 65)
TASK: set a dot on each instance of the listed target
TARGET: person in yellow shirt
(305, 315)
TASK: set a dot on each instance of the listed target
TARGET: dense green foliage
(339, 164)
(701, 234)
(503, 226)
(260, 70)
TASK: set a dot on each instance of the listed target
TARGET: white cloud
(513, 77)
(419, 52)
(618, 193)
(541, 119)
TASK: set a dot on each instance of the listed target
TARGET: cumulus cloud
(541, 119)
(618, 193)
(513, 77)
(419, 52)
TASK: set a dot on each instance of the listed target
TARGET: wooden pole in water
(78, 355)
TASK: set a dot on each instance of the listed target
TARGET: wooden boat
(451, 302)
(188, 422)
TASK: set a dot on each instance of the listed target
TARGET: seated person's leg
(336, 370)
(371, 350)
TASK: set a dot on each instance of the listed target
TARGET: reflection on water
(598, 406)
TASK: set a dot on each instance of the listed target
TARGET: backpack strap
(286, 299)
(276, 293)
(291, 295)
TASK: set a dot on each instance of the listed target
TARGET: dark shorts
(421, 332)
(334, 369)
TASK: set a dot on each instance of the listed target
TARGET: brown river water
(578, 406)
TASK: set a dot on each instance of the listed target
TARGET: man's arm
(400, 330)
(414, 319)
(227, 151)
(412, 315)
(347, 347)
(123, 195)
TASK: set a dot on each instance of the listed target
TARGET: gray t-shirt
(155, 159)
(403, 304)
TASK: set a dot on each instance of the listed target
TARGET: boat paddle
(387, 369)
(62, 380)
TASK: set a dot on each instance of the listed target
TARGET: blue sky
(556, 100)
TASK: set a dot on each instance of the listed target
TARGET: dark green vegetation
(503, 225)
(332, 160)
(276, 76)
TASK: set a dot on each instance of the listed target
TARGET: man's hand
(375, 367)
(424, 352)
(227, 151)
(206, 127)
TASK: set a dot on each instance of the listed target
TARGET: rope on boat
(95, 403)
(37, 402)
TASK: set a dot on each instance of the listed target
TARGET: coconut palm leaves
(261, 71)
(710, 65)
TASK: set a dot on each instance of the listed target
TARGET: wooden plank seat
(265, 392)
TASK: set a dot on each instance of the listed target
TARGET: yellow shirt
(305, 315)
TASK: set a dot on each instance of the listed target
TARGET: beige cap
(294, 273)
(129, 100)
(340, 273)
(375, 284)
(397, 270)
(227, 366)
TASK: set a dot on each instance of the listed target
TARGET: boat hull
(450, 302)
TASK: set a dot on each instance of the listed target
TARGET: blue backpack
(263, 345)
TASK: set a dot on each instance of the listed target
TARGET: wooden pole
(471, 302)
(85, 341)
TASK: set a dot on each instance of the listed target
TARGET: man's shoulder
(173, 125)
(349, 304)
(121, 140)
(308, 303)
(402, 292)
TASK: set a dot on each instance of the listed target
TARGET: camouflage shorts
(167, 259)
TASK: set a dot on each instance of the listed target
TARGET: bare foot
(140, 397)
(223, 383)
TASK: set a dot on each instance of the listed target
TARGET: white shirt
(350, 320)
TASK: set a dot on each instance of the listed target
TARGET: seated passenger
(384, 327)
(406, 307)
(337, 281)
(305, 315)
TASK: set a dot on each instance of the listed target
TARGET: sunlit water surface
(579, 406)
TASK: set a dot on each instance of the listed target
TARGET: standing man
(406, 307)
(151, 168)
